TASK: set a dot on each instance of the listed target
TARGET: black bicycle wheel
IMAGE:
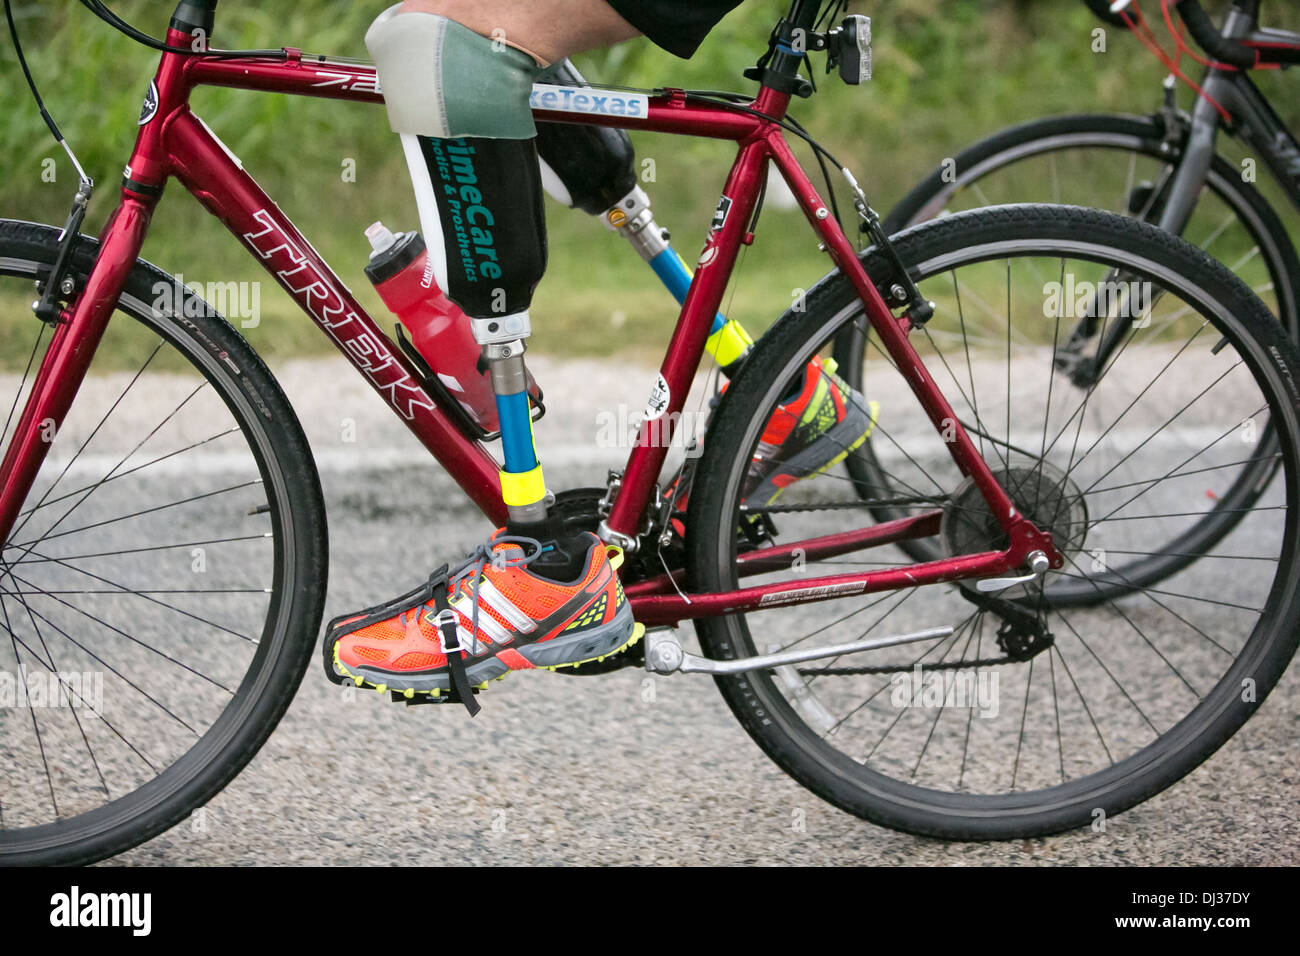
(1039, 711)
(1102, 161)
(1117, 163)
(161, 591)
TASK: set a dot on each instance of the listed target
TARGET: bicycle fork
(77, 334)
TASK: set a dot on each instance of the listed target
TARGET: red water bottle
(440, 331)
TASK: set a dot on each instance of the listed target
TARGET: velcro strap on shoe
(446, 619)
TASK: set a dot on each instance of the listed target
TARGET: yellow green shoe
(808, 434)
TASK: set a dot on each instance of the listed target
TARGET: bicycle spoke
(132, 638)
(95, 431)
(130, 471)
(1140, 633)
(28, 545)
(146, 548)
(36, 725)
(95, 487)
(22, 383)
(122, 589)
(90, 751)
(109, 667)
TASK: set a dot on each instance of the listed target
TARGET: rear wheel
(161, 592)
(1086, 691)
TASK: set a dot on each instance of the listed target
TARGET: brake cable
(46, 308)
(102, 11)
(40, 103)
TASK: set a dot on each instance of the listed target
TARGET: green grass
(946, 73)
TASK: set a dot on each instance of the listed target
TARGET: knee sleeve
(460, 102)
(442, 79)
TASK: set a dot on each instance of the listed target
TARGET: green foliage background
(947, 72)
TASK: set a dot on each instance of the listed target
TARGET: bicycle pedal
(428, 697)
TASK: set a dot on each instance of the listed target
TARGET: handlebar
(1264, 47)
(1208, 37)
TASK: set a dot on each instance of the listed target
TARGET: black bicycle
(1168, 169)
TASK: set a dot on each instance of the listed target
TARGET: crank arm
(664, 653)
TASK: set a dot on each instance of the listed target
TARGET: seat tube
(68, 356)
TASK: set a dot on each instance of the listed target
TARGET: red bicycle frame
(174, 143)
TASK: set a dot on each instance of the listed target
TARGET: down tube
(206, 170)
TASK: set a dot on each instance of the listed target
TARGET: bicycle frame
(1253, 120)
(173, 142)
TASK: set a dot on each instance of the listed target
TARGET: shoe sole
(590, 644)
(858, 424)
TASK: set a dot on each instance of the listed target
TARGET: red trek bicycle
(1022, 601)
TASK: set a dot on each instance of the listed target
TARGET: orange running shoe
(505, 619)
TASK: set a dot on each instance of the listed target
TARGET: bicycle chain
(1014, 618)
(897, 669)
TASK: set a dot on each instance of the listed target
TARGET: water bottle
(439, 330)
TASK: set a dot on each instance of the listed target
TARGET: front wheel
(161, 591)
(1087, 690)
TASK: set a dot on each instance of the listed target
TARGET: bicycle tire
(225, 361)
(776, 724)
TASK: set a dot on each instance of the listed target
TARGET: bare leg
(549, 29)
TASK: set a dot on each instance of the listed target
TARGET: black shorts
(679, 27)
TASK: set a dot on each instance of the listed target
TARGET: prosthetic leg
(460, 104)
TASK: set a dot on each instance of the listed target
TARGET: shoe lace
(485, 554)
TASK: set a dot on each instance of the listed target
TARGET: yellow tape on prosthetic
(729, 343)
(523, 488)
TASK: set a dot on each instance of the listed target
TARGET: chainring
(578, 509)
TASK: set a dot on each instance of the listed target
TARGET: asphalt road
(618, 769)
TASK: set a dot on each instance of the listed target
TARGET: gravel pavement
(618, 769)
(612, 770)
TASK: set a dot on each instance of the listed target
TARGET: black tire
(777, 724)
(295, 510)
(1142, 135)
